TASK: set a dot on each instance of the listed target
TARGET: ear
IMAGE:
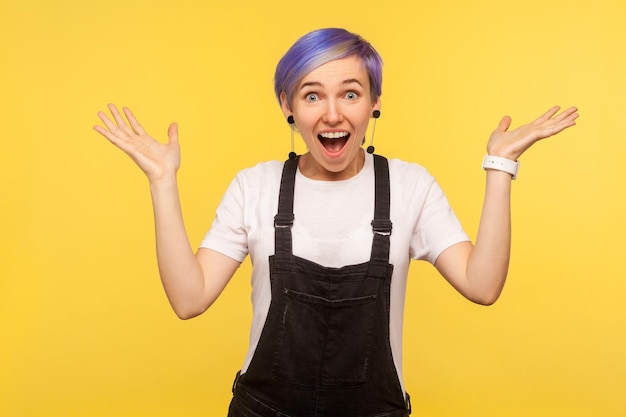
(376, 105)
(284, 106)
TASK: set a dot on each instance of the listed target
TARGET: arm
(192, 282)
(479, 271)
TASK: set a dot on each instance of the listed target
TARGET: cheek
(362, 115)
(305, 120)
(306, 127)
(364, 122)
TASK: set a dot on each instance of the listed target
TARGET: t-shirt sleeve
(437, 227)
(228, 234)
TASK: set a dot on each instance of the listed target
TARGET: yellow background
(85, 329)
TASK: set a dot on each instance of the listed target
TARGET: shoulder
(409, 174)
(262, 170)
(402, 165)
(259, 176)
(255, 181)
(412, 185)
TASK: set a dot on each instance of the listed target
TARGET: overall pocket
(322, 342)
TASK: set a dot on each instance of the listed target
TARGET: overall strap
(284, 219)
(381, 225)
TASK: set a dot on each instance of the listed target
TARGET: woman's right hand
(157, 160)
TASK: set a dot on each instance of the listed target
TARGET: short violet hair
(319, 47)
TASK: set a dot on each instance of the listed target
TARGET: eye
(351, 95)
(311, 97)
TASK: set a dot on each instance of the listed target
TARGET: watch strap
(501, 164)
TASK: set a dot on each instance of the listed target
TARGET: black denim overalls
(324, 350)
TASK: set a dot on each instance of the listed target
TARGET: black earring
(291, 121)
(375, 115)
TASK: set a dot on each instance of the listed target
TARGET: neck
(310, 168)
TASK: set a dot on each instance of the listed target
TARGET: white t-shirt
(332, 227)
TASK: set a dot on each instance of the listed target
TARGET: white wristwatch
(501, 164)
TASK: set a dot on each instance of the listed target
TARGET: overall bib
(324, 350)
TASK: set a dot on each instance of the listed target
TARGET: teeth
(333, 135)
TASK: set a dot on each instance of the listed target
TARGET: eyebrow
(319, 84)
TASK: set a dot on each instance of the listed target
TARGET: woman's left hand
(513, 144)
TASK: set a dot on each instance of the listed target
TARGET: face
(331, 107)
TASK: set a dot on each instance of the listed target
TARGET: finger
(101, 130)
(107, 122)
(504, 124)
(547, 115)
(570, 113)
(137, 128)
(564, 115)
(570, 121)
(121, 123)
(566, 119)
(172, 133)
(116, 140)
(107, 134)
(553, 129)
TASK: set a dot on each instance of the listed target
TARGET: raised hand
(513, 144)
(157, 160)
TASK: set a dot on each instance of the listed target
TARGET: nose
(333, 114)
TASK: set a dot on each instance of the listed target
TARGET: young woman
(330, 234)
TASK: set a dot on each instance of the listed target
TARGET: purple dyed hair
(319, 47)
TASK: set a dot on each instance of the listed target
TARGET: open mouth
(333, 142)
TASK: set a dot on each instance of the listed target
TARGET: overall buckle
(283, 220)
(382, 227)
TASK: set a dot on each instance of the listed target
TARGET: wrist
(167, 182)
(501, 164)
